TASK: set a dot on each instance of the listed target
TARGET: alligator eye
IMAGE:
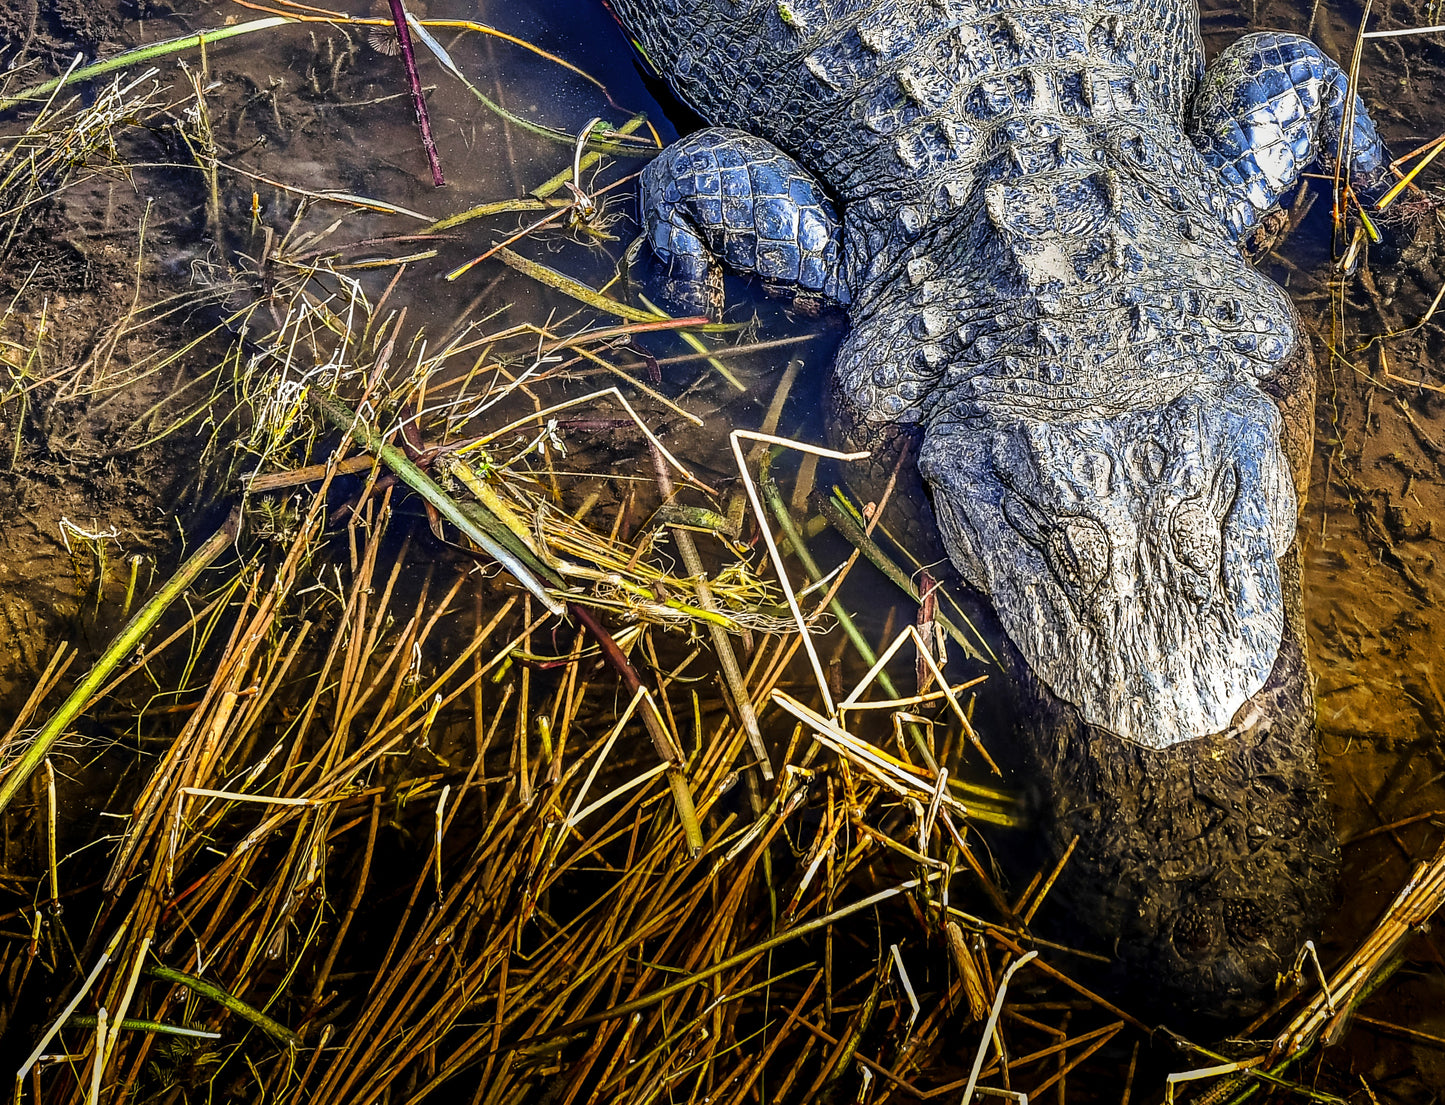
(1196, 932)
(1196, 537)
(1079, 553)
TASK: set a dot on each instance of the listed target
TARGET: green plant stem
(779, 508)
(274, 1029)
(859, 539)
(576, 289)
(123, 646)
(140, 55)
(616, 149)
(722, 645)
(497, 541)
(132, 1024)
(774, 499)
(542, 191)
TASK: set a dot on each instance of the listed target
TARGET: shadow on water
(321, 109)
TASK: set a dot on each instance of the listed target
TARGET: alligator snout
(1142, 564)
(1230, 951)
(1233, 934)
(1226, 953)
(1132, 557)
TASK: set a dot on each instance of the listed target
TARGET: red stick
(423, 121)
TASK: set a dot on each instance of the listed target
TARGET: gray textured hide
(1032, 211)
(1132, 558)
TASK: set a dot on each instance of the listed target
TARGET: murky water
(319, 109)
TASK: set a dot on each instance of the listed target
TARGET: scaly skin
(1032, 213)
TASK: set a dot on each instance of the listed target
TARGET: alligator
(1034, 214)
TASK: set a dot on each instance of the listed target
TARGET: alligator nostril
(1196, 932)
(1244, 921)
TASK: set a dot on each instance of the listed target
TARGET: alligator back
(874, 94)
(1032, 156)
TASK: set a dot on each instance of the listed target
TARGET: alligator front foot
(722, 196)
(1268, 107)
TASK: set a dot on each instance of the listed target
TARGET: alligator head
(1132, 556)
